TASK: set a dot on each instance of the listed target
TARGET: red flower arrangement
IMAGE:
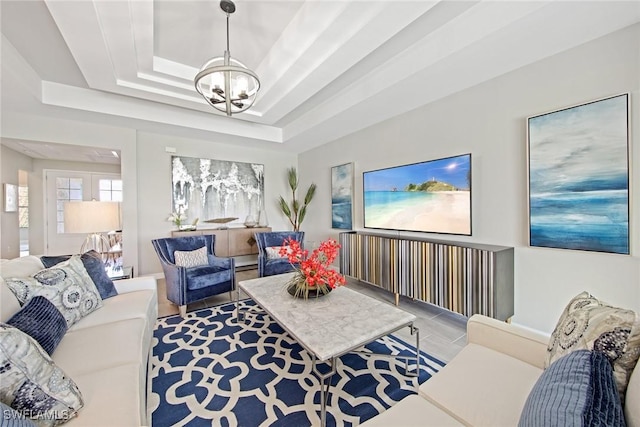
(313, 276)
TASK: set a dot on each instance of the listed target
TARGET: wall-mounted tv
(432, 196)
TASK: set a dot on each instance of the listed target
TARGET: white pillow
(188, 259)
(273, 252)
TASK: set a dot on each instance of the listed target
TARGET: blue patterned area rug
(207, 370)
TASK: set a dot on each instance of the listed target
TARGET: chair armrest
(516, 341)
(142, 283)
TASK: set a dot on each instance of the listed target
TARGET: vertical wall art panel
(579, 177)
(342, 196)
(210, 189)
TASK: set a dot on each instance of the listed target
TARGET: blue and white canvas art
(210, 189)
(579, 177)
(342, 196)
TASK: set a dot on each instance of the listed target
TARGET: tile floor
(442, 333)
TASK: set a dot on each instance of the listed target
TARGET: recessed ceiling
(327, 68)
(66, 152)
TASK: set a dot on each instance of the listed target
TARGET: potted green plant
(296, 211)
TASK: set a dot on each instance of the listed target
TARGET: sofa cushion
(590, 324)
(93, 349)
(17, 267)
(412, 411)
(92, 262)
(113, 396)
(201, 277)
(482, 386)
(31, 383)
(67, 286)
(577, 389)
(42, 321)
(194, 258)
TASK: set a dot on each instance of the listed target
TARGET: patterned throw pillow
(31, 383)
(576, 390)
(273, 252)
(42, 321)
(92, 262)
(587, 323)
(190, 259)
(67, 285)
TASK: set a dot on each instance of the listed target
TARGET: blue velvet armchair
(270, 265)
(189, 284)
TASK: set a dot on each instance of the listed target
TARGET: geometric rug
(208, 370)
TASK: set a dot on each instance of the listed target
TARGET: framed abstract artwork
(579, 177)
(10, 198)
(217, 191)
(342, 196)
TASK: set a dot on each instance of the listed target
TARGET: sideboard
(231, 242)
(466, 278)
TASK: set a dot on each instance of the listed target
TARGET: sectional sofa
(104, 353)
(489, 382)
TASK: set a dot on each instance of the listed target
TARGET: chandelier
(225, 83)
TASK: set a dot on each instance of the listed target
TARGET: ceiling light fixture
(225, 83)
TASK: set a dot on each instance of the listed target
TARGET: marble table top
(331, 325)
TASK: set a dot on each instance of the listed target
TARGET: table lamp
(93, 218)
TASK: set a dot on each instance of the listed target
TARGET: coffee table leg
(325, 386)
(415, 331)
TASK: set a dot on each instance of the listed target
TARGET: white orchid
(177, 217)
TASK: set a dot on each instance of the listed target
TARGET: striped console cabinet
(466, 278)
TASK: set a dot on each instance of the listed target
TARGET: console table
(231, 242)
(466, 278)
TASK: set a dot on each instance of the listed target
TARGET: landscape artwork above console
(579, 177)
(212, 189)
(342, 196)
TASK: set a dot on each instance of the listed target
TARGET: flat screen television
(432, 196)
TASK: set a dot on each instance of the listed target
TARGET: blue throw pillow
(42, 321)
(578, 389)
(92, 262)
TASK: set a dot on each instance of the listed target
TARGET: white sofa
(487, 383)
(105, 353)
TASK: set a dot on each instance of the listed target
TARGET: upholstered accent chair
(269, 262)
(197, 274)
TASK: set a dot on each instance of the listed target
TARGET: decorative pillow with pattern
(188, 259)
(587, 323)
(31, 383)
(273, 252)
(67, 285)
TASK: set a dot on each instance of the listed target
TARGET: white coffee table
(330, 326)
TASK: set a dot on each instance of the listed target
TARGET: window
(23, 206)
(67, 190)
(110, 190)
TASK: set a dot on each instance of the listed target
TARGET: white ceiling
(327, 68)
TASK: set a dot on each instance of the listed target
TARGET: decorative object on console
(432, 196)
(93, 218)
(179, 217)
(10, 198)
(31, 383)
(579, 177)
(312, 277)
(207, 188)
(588, 323)
(225, 83)
(223, 221)
(67, 285)
(296, 211)
(342, 196)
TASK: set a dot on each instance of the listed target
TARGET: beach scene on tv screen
(432, 196)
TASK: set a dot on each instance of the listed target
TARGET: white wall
(489, 121)
(154, 184)
(11, 162)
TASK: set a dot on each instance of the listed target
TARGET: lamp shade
(91, 217)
